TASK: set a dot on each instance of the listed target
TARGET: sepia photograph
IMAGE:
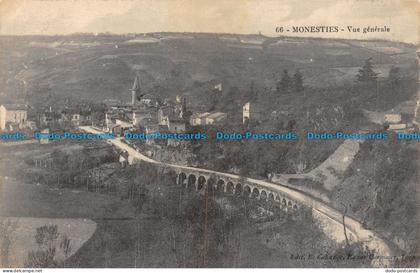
(216, 134)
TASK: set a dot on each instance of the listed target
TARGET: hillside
(102, 67)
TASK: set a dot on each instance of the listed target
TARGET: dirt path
(327, 171)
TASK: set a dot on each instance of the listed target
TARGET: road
(368, 237)
(338, 162)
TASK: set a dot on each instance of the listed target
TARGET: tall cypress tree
(394, 76)
(298, 82)
(366, 73)
(251, 94)
(285, 84)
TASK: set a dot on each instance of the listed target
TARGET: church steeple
(134, 89)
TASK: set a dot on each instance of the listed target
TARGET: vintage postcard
(209, 134)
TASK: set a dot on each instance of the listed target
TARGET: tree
(252, 94)
(285, 83)
(298, 82)
(366, 73)
(65, 247)
(46, 235)
(229, 100)
(394, 76)
(344, 224)
(7, 228)
(45, 238)
(41, 258)
(291, 125)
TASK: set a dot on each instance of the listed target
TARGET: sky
(50, 17)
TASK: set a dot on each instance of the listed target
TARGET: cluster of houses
(68, 116)
(398, 122)
(207, 118)
(149, 114)
(13, 117)
(146, 112)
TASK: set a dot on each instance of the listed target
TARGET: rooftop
(15, 107)
(216, 115)
(148, 97)
(200, 115)
(176, 120)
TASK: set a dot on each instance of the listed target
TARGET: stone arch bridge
(232, 185)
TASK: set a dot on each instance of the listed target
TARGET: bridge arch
(220, 185)
(230, 188)
(181, 178)
(191, 181)
(263, 195)
(271, 197)
(211, 184)
(201, 182)
(284, 202)
(289, 204)
(255, 193)
(238, 189)
(247, 190)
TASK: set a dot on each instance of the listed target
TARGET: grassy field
(78, 231)
(27, 200)
(28, 206)
(105, 69)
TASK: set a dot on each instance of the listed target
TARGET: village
(149, 114)
(144, 113)
(142, 179)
